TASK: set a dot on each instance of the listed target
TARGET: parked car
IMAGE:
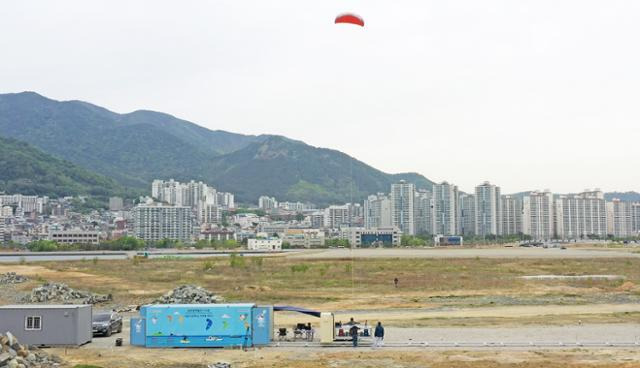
(106, 323)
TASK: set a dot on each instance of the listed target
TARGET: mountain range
(135, 148)
(27, 170)
(74, 147)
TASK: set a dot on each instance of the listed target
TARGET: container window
(33, 323)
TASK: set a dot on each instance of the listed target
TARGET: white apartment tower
(635, 218)
(154, 222)
(189, 194)
(466, 214)
(538, 215)
(488, 210)
(511, 215)
(209, 213)
(267, 203)
(225, 200)
(3, 228)
(620, 218)
(377, 211)
(422, 212)
(581, 215)
(336, 216)
(444, 211)
(402, 197)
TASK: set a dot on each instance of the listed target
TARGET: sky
(540, 94)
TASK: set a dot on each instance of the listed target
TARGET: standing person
(395, 281)
(353, 331)
(378, 335)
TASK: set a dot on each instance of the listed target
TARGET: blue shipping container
(204, 325)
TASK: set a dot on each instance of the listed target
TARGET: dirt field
(128, 357)
(431, 286)
(463, 297)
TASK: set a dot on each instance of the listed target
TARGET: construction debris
(15, 355)
(219, 365)
(53, 292)
(189, 294)
(12, 278)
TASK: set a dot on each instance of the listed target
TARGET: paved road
(515, 252)
(601, 334)
(107, 255)
(337, 253)
(595, 333)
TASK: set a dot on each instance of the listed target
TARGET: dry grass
(362, 284)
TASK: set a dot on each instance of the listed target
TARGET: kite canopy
(350, 18)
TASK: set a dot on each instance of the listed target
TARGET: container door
(137, 333)
(262, 323)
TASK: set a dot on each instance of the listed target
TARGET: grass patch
(370, 281)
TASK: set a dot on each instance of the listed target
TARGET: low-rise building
(377, 237)
(74, 236)
(304, 238)
(217, 235)
(447, 240)
(245, 220)
(264, 243)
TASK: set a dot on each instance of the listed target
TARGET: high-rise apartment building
(154, 222)
(511, 215)
(24, 203)
(488, 210)
(422, 212)
(402, 197)
(635, 218)
(336, 217)
(466, 214)
(445, 208)
(267, 203)
(620, 218)
(377, 211)
(538, 217)
(189, 194)
(581, 215)
(226, 200)
(3, 229)
(209, 213)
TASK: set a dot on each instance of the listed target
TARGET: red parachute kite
(350, 18)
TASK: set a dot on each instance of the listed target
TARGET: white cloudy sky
(527, 94)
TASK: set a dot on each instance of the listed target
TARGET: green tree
(43, 246)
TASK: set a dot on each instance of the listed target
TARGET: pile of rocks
(219, 365)
(53, 292)
(15, 355)
(189, 294)
(12, 278)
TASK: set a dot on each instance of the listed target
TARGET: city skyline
(447, 85)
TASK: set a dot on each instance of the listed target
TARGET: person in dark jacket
(378, 335)
(353, 332)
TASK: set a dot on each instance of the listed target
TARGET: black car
(106, 323)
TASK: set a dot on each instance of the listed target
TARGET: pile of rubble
(11, 278)
(53, 292)
(219, 365)
(14, 355)
(189, 294)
